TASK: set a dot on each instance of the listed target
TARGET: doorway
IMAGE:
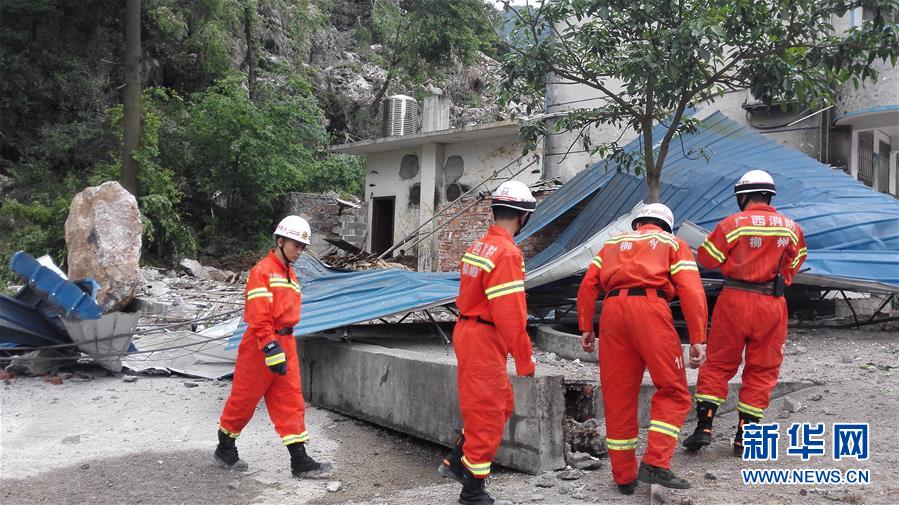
(382, 214)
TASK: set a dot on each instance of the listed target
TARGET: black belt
(476, 318)
(632, 292)
(765, 288)
(287, 330)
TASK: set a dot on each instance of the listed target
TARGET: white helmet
(755, 181)
(294, 227)
(656, 211)
(515, 195)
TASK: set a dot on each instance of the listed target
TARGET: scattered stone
(846, 358)
(803, 492)
(545, 480)
(33, 363)
(582, 461)
(576, 362)
(536, 497)
(189, 384)
(226, 276)
(783, 415)
(72, 440)
(579, 495)
(129, 378)
(85, 466)
(194, 268)
(570, 474)
(710, 476)
(103, 238)
(816, 397)
(586, 437)
(791, 405)
(566, 488)
(234, 484)
(334, 487)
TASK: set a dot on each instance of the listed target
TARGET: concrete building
(409, 177)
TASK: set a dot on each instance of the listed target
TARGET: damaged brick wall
(329, 218)
(453, 240)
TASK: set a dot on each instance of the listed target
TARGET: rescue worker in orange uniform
(640, 273)
(267, 364)
(758, 251)
(491, 325)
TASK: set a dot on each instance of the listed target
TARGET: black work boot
(474, 492)
(738, 438)
(225, 455)
(661, 476)
(628, 488)
(304, 467)
(452, 467)
(702, 436)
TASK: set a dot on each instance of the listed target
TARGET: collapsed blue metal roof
(851, 230)
(858, 227)
(337, 298)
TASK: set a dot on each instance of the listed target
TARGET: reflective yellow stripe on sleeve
(683, 265)
(479, 261)
(504, 289)
(259, 293)
(799, 255)
(597, 261)
(713, 251)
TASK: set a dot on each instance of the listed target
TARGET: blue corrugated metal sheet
(340, 299)
(837, 213)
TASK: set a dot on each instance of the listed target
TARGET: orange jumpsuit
(640, 273)
(491, 325)
(272, 303)
(749, 246)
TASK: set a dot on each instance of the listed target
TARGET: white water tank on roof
(400, 115)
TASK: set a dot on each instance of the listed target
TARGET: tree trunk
(251, 53)
(376, 103)
(652, 170)
(131, 117)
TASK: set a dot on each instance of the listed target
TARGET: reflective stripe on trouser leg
(659, 346)
(294, 439)
(764, 354)
(621, 374)
(726, 341)
(480, 470)
(284, 398)
(485, 396)
(229, 433)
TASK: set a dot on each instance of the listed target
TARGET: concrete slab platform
(415, 391)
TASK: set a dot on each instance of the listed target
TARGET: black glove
(275, 359)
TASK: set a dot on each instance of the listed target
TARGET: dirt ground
(105, 441)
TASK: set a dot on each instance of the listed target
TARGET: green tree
(419, 35)
(242, 156)
(651, 60)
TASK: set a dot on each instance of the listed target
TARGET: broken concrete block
(103, 238)
(791, 405)
(33, 363)
(194, 268)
